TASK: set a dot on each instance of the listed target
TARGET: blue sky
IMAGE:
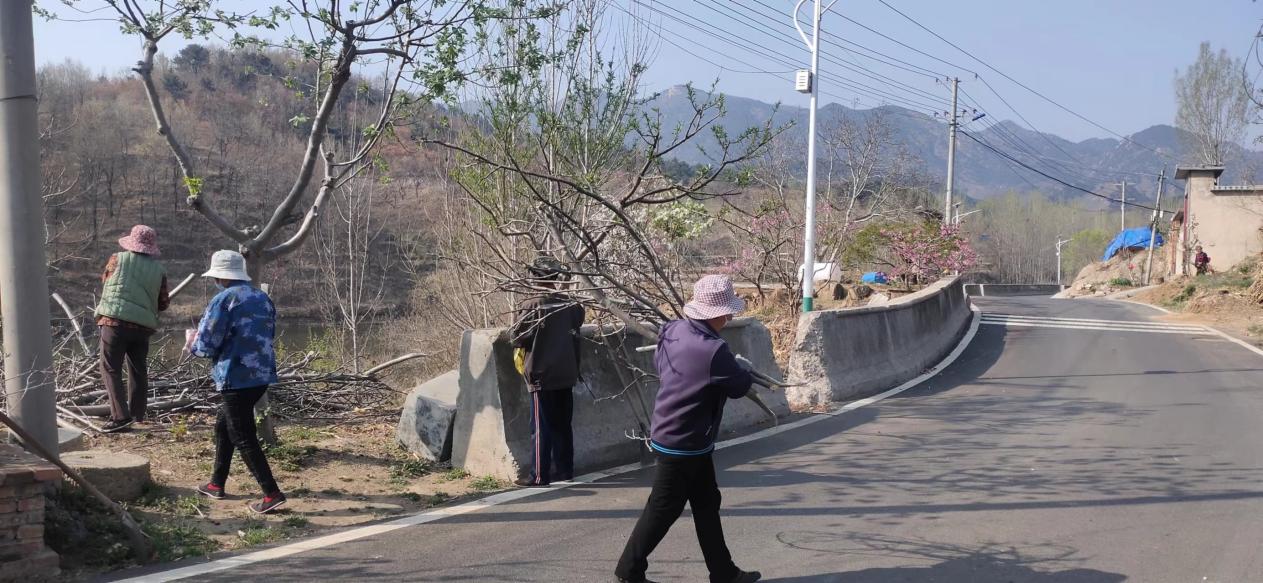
(1111, 61)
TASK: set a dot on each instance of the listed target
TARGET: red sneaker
(210, 490)
(268, 503)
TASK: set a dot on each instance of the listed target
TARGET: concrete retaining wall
(492, 427)
(1012, 289)
(842, 354)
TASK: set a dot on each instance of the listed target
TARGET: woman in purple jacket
(697, 374)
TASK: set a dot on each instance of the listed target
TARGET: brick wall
(24, 480)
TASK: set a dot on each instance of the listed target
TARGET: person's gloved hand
(745, 363)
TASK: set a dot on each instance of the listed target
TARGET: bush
(1122, 282)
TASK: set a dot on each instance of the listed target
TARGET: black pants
(552, 438)
(121, 344)
(680, 479)
(235, 430)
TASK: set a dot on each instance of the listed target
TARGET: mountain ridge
(1097, 164)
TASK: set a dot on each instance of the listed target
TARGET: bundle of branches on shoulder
(573, 163)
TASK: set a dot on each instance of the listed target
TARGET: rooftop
(1183, 172)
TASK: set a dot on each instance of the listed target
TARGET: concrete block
(852, 352)
(429, 413)
(69, 439)
(492, 429)
(121, 476)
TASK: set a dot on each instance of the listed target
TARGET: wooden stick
(389, 363)
(73, 322)
(180, 288)
(141, 546)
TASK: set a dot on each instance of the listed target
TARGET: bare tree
(418, 46)
(1212, 105)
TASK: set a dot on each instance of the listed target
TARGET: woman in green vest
(134, 291)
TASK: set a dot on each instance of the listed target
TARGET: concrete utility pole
(812, 85)
(1060, 242)
(29, 388)
(951, 156)
(1153, 225)
(1122, 207)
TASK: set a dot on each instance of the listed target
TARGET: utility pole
(1060, 242)
(1153, 225)
(29, 387)
(951, 156)
(1122, 208)
(810, 82)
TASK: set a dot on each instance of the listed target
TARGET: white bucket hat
(227, 264)
(713, 297)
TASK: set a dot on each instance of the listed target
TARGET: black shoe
(212, 491)
(622, 580)
(528, 483)
(268, 503)
(746, 577)
(117, 426)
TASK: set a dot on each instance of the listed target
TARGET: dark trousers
(131, 345)
(680, 479)
(235, 430)
(552, 438)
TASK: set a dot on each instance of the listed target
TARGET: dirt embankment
(1123, 271)
(1231, 300)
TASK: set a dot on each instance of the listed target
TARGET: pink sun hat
(143, 239)
(713, 297)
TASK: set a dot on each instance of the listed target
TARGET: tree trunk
(255, 264)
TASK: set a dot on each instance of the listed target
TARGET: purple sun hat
(713, 297)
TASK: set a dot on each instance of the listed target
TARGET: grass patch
(255, 532)
(1122, 282)
(178, 540)
(1232, 279)
(1255, 329)
(401, 472)
(1184, 296)
(160, 500)
(455, 474)
(295, 521)
(331, 492)
(290, 457)
(412, 497)
(299, 492)
(486, 484)
(438, 498)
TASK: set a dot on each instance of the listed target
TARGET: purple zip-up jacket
(697, 374)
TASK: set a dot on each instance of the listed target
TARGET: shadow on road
(925, 560)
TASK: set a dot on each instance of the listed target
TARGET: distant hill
(1097, 164)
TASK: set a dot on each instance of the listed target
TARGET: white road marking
(503, 497)
(1092, 324)
(1146, 324)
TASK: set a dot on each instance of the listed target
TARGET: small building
(1227, 221)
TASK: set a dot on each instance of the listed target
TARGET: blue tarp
(873, 277)
(1134, 238)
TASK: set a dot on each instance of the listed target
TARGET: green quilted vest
(131, 292)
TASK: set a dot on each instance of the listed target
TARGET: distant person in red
(1201, 262)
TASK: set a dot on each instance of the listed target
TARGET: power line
(1019, 83)
(777, 56)
(781, 75)
(999, 152)
(789, 40)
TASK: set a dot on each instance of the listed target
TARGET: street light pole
(951, 156)
(29, 387)
(1060, 242)
(813, 82)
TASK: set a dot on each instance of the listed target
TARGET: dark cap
(547, 267)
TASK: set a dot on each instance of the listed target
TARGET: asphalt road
(1060, 447)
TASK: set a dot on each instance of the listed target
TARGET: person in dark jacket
(548, 329)
(134, 291)
(1201, 261)
(697, 375)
